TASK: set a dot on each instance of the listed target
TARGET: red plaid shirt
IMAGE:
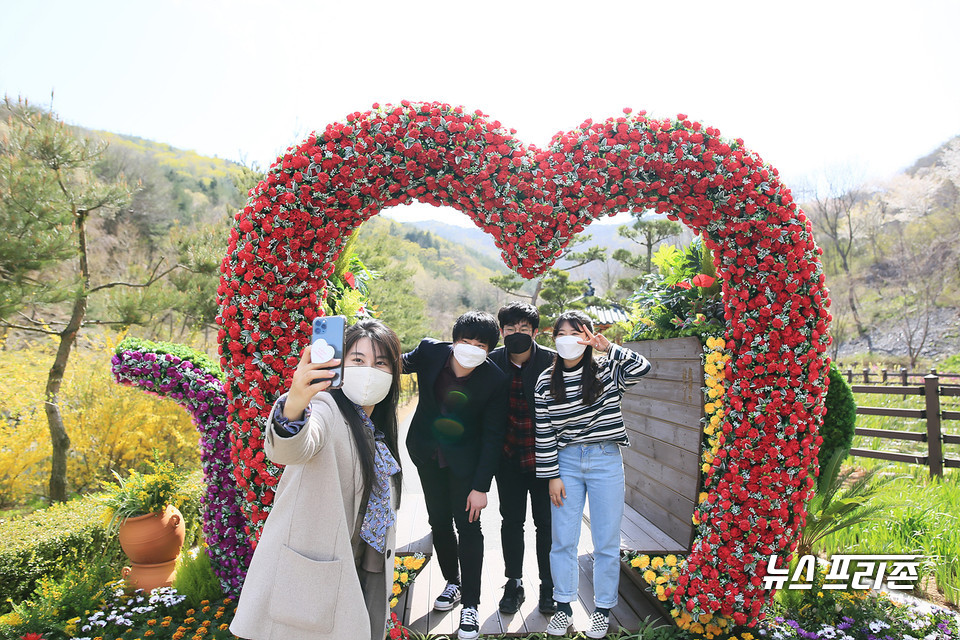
(520, 441)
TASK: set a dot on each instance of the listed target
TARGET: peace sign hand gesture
(598, 342)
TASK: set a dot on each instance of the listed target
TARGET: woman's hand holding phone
(309, 379)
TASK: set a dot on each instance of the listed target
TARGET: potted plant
(144, 510)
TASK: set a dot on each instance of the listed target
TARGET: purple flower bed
(193, 381)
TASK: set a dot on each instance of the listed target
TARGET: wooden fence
(902, 376)
(932, 389)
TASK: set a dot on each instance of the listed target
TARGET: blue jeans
(594, 470)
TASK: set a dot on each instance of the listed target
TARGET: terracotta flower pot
(152, 539)
(150, 576)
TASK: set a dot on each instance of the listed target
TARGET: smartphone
(329, 330)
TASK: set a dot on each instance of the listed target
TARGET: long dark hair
(589, 382)
(386, 344)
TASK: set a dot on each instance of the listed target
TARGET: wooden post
(850, 376)
(903, 379)
(883, 376)
(931, 389)
(866, 376)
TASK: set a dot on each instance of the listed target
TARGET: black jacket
(540, 360)
(471, 439)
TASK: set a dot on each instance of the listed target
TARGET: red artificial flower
(683, 284)
(703, 280)
(295, 219)
(349, 279)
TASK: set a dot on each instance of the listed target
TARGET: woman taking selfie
(579, 434)
(323, 567)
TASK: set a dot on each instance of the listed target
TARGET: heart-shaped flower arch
(532, 201)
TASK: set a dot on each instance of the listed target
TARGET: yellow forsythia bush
(111, 427)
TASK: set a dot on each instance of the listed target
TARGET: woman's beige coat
(303, 582)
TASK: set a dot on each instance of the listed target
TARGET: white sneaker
(598, 625)
(449, 598)
(469, 624)
(558, 625)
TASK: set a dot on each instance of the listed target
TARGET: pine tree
(49, 191)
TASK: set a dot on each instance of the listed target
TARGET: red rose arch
(532, 201)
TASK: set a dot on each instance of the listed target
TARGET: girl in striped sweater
(579, 434)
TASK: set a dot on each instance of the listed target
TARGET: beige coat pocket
(312, 605)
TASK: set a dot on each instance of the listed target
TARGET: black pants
(513, 487)
(446, 498)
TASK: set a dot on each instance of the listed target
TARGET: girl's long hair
(386, 344)
(589, 382)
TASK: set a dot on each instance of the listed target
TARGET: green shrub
(57, 602)
(840, 420)
(45, 544)
(196, 579)
(198, 358)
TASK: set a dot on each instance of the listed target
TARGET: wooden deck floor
(415, 607)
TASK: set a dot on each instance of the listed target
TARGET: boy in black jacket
(523, 360)
(455, 440)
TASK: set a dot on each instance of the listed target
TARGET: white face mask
(366, 386)
(569, 347)
(468, 355)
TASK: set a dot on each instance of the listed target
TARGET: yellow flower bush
(110, 426)
(405, 570)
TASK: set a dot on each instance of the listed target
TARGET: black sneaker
(469, 624)
(547, 606)
(449, 598)
(512, 597)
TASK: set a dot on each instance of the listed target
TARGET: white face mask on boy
(366, 386)
(468, 355)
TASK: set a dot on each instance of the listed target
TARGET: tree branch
(9, 325)
(153, 278)
(106, 322)
(31, 320)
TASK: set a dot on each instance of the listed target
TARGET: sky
(810, 86)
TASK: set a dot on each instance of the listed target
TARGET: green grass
(926, 518)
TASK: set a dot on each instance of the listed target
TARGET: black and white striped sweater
(563, 423)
